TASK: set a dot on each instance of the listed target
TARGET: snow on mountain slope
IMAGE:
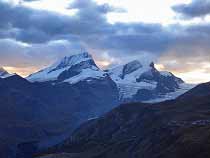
(70, 69)
(4, 73)
(128, 90)
(135, 81)
(129, 72)
(85, 74)
(183, 88)
(127, 80)
(138, 82)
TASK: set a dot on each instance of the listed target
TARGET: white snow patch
(44, 75)
(116, 74)
(7, 75)
(128, 86)
(173, 95)
(86, 74)
(129, 90)
(166, 73)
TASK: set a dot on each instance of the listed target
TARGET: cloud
(91, 6)
(89, 27)
(20, 55)
(36, 38)
(35, 26)
(197, 8)
(189, 53)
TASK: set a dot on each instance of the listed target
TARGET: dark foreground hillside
(172, 129)
(41, 114)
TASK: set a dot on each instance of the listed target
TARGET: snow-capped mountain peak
(142, 82)
(70, 69)
(135, 81)
(128, 72)
(131, 67)
(4, 73)
(72, 60)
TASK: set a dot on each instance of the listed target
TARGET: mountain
(135, 81)
(43, 114)
(143, 82)
(172, 129)
(71, 69)
(4, 73)
(199, 91)
(43, 109)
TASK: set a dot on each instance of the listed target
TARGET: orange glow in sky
(194, 76)
(24, 72)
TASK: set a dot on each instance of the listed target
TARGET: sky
(173, 34)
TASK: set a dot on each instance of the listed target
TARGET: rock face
(138, 82)
(177, 128)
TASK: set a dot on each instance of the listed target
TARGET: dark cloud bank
(30, 37)
(198, 8)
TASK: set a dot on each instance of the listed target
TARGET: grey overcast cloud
(175, 35)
